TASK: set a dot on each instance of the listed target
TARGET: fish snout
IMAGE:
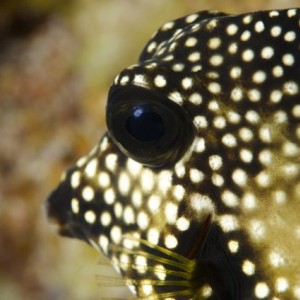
(58, 212)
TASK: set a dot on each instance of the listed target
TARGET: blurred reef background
(57, 59)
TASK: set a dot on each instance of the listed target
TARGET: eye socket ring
(148, 127)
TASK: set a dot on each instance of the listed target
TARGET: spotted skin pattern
(223, 221)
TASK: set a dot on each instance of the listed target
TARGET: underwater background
(57, 60)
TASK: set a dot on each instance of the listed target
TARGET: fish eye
(147, 126)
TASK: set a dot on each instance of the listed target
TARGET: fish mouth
(60, 217)
(57, 207)
(59, 228)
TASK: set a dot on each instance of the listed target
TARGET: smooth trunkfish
(193, 193)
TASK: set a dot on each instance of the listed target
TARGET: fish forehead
(238, 78)
(237, 61)
(227, 26)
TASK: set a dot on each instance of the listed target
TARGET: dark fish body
(194, 191)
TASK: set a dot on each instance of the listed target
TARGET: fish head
(194, 188)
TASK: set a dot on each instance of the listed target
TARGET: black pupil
(145, 125)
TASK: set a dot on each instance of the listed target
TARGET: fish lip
(59, 215)
(57, 210)
(58, 225)
(67, 228)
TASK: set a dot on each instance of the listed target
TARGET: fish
(193, 192)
